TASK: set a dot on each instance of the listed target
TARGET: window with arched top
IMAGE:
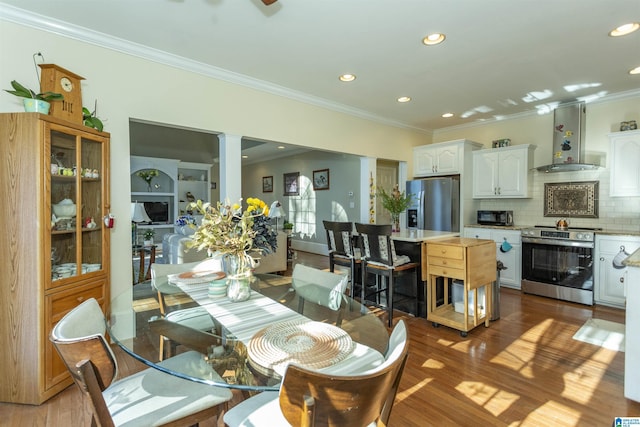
(302, 209)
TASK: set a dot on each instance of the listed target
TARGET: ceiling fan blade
(268, 2)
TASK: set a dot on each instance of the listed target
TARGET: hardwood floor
(524, 370)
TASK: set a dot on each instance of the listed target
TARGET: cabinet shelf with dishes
(55, 254)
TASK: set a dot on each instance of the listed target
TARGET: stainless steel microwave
(500, 218)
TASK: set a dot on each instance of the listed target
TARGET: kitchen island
(413, 243)
(421, 236)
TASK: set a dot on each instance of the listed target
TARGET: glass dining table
(247, 345)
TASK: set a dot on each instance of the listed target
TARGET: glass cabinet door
(77, 205)
(92, 204)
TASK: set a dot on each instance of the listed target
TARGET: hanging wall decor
(291, 184)
(573, 199)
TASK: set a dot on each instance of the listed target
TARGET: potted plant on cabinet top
(91, 120)
(396, 203)
(148, 236)
(34, 102)
(287, 227)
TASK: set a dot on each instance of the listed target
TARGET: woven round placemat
(310, 344)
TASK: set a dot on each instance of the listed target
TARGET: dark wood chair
(379, 258)
(147, 256)
(342, 251)
(149, 397)
(311, 398)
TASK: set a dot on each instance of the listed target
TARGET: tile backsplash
(614, 213)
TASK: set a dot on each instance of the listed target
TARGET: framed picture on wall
(291, 183)
(321, 179)
(267, 184)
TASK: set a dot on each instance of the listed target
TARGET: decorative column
(230, 167)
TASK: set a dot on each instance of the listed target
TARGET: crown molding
(65, 29)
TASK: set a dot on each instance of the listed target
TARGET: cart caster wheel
(463, 334)
(435, 325)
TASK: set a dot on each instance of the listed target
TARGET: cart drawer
(438, 270)
(445, 251)
(446, 262)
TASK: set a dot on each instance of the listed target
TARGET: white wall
(131, 87)
(333, 204)
(616, 213)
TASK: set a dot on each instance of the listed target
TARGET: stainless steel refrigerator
(435, 204)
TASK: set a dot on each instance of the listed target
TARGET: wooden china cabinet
(49, 262)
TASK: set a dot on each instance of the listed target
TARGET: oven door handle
(554, 242)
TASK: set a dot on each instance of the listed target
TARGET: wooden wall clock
(57, 79)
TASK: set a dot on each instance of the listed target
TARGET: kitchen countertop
(618, 233)
(499, 227)
(418, 236)
(609, 232)
(633, 260)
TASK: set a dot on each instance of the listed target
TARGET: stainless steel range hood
(568, 140)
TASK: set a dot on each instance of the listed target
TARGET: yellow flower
(228, 230)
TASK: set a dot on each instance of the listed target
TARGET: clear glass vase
(239, 286)
(239, 276)
(395, 222)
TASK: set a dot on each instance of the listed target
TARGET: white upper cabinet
(625, 158)
(445, 158)
(503, 172)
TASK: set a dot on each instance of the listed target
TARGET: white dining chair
(197, 318)
(147, 398)
(319, 287)
(272, 408)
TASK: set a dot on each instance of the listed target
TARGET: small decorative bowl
(65, 209)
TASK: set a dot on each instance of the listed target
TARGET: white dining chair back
(194, 317)
(149, 397)
(320, 287)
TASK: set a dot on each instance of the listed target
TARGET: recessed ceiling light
(447, 115)
(244, 156)
(635, 71)
(625, 29)
(404, 99)
(347, 77)
(433, 39)
(280, 147)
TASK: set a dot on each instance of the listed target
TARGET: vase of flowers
(147, 175)
(234, 233)
(396, 203)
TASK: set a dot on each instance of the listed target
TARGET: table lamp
(276, 211)
(138, 214)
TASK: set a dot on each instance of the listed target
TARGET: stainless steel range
(558, 263)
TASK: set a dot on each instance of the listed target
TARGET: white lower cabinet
(511, 259)
(610, 283)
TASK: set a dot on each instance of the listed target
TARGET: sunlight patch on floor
(463, 346)
(433, 364)
(414, 389)
(552, 413)
(581, 382)
(492, 399)
(446, 343)
(520, 352)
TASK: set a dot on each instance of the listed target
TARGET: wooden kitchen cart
(472, 261)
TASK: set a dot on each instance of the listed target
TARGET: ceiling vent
(568, 140)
